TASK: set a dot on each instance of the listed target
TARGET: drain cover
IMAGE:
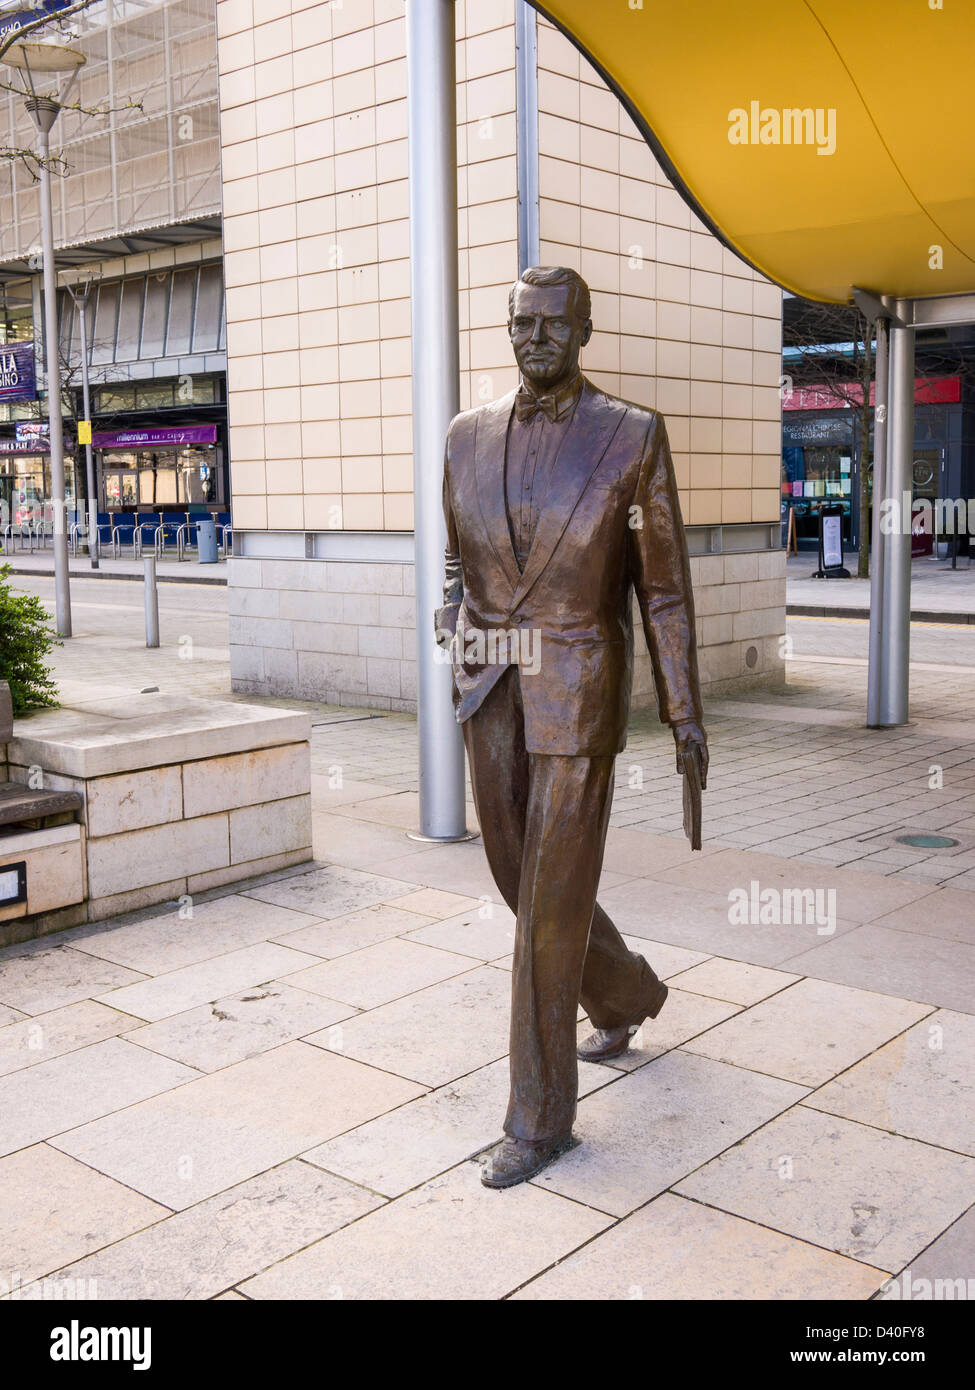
(920, 841)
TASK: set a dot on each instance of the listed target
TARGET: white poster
(832, 542)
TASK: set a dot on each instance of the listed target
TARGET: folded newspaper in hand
(693, 783)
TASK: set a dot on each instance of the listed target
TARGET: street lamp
(55, 66)
(80, 295)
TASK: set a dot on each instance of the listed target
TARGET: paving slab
(435, 902)
(197, 931)
(900, 963)
(733, 980)
(808, 1032)
(352, 932)
(460, 868)
(485, 932)
(858, 899)
(242, 1025)
(208, 980)
(56, 1210)
(326, 796)
(48, 976)
(676, 1249)
(699, 921)
(71, 1090)
(359, 844)
(400, 809)
(44, 1036)
(8, 1015)
(947, 912)
(400, 1150)
(378, 974)
(199, 1252)
(331, 892)
(437, 1034)
(452, 1238)
(638, 853)
(947, 1260)
(873, 1196)
(221, 1129)
(651, 1128)
(921, 1084)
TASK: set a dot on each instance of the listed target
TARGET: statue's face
(547, 334)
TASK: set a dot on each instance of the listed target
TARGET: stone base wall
(343, 631)
(158, 826)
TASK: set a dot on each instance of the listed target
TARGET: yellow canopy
(831, 143)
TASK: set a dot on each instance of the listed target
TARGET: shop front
(25, 484)
(161, 470)
(822, 454)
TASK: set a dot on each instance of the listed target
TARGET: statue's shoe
(515, 1160)
(606, 1043)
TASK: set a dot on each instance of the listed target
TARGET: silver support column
(877, 539)
(896, 648)
(432, 113)
(526, 117)
(44, 112)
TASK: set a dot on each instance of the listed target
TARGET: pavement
(188, 571)
(938, 592)
(282, 1090)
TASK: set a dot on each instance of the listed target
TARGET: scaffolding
(153, 159)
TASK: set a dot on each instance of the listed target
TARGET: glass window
(195, 390)
(181, 302)
(198, 476)
(112, 398)
(130, 319)
(153, 395)
(106, 314)
(209, 308)
(154, 322)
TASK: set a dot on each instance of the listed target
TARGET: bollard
(152, 602)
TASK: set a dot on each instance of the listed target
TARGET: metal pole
(44, 112)
(897, 564)
(152, 602)
(526, 121)
(432, 113)
(877, 541)
(82, 303)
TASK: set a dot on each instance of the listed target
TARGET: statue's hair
(555, 275)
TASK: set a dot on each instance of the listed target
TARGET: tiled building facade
(314, 148)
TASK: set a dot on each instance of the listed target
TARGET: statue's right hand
(445, 624)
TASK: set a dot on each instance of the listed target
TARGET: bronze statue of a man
(559, 499)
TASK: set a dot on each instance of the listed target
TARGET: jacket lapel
(596, 421)
(489, 451)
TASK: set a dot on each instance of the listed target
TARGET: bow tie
(527, 406)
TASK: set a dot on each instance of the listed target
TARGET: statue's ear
(587, 332)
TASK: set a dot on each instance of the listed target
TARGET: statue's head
(549, 322)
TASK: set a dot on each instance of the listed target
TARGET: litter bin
(206, 542)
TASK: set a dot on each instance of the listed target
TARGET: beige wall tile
(317, 243)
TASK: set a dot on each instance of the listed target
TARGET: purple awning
(177, 434)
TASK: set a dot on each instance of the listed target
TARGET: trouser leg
(543, 824)
(565, 831)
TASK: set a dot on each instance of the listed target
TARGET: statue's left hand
(688, 733)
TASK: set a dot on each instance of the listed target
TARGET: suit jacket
(610, 524)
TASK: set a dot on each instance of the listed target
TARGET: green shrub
(26, 638)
